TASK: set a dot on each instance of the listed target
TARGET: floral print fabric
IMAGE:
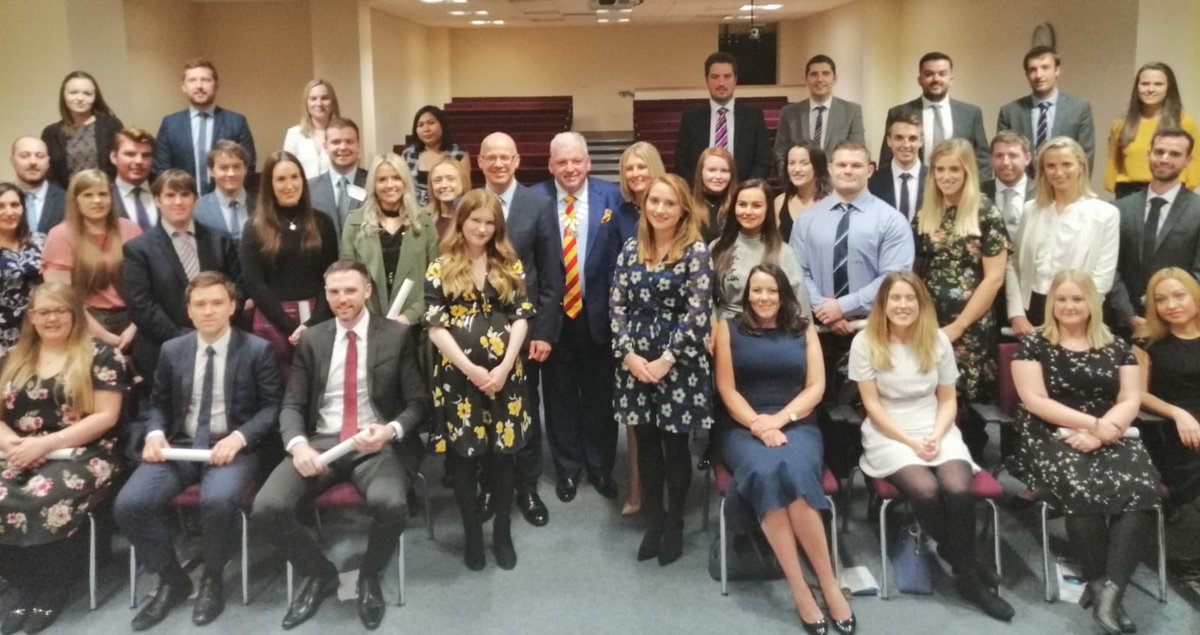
(20, 272)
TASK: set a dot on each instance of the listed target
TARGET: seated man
(217, 388)
(355, 376)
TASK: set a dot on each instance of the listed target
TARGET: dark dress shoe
(473, 554)
(1127, 626)
(605, 486)
(819, 627)
(1107, 599)
(166, 597)
(847, 626)
(502, 548)
(485, 507)
(313, 591)
(46, 610)
(973, 590)
(671, 547)
(15, 620)
(533, 509)
(370, 600)
(565, 489)
(210, 601)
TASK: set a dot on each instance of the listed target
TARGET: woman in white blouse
(307, 140)
(1065, 227)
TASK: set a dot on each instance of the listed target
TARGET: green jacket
(416, 252)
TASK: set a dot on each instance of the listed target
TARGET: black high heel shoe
(820, 627)
(846, 627)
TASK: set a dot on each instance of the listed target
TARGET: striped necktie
(572, 299)
(185, 244)
(841, 252)
(1043, 128)
(721, 136)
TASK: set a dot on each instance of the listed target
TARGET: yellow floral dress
(466, 419)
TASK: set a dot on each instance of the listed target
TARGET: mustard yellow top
(1137, 154)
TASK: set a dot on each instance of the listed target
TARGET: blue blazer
(533, 231)
(208, 212)
(253, 388)
(882, 185)
(604, 240)
(174, 149)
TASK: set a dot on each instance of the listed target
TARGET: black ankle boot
(671, 547)
(473, 556)
(1107, 597)
(502, 544)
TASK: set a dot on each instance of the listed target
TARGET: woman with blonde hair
(477, 315)
(447, 182)
(906, 375)
(1168, 351)
(392, 237)
(1065, 227)
(1154, 105)
(85, 252)
(1080, 391)
(306, 140)
(660, 305)
(62, 389)
(714, 184)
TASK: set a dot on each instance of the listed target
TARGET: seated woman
(1079, 392)
(20, 263)
(85, 251)
(431, 143)
(447, 183)
(906, 375)
(713, 185)
(306, 140)
(752, 240)
(82, 138)
(1168, 351)
(62, 390)
(808, 181)
(771, 377)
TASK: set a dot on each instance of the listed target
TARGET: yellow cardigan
(1137, 154)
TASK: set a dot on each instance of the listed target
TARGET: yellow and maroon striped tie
(572, 300)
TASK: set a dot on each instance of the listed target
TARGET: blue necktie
(204, 418)
(143, 218)
(33, 210)
(841, 251)
(235, 228)
(202, 154)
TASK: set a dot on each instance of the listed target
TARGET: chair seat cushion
(984, 485)
(721, 476)
(341, 495)
(829, 482)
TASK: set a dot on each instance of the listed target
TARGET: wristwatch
(792, 416)
(668, 357)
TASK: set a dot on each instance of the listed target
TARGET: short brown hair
(228, 148)
(1011, 136)
(345, 264)
(854, 146)
(343, 122)
(905, 116)
(210, 278)
(132, 135)
(174, 179)
(200, 62)
(1037, 52)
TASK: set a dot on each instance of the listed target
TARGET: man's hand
(372, 438)
(152, 450)
(294, 338)
(1021, 325)
(539, 350)
(842, 327)
(1136, 322)
(307, 460)
(226, 450)
(828, 312)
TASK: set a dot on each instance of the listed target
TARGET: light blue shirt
(35, 201)
(242, 216)
(581, 225)
(1036, 114)
(880, 242)
(194, 117)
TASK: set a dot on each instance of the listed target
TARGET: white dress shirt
(581, 224)
(1011, 212)
(330, 419)
(335, 178)
(217, 422)
(1035, 115)
(943, 110)
(233, 222)
(812, 120)
(914, 185)
(506, 197)
(713, 106)
(125, 189)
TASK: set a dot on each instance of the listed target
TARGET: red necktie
(572, 301)
(350, 389)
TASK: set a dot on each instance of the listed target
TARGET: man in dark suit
(217, 388)
(1160, 227)
(533, 232)
(185, 137)
(160, 263)
(901, 182)
(723, 122)
(1012, 185)
(343, 187)
(45, 202)
(352, 377)
(227, 208)
(821, 119)
(1048, 112)
(133, 156)
(579, 377)
(942, 117)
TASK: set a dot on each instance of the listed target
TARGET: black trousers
(529, 457)
(380, 477)
(842, 442)
(579, 420)
(37, 569)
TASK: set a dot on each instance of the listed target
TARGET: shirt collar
(714, 104)
(221, 346)
(225, 200)
(193, 110)
(1052, 99)
(506, 196)
(579, 194)
(126, 187)
(915, 170)
(860, 202)
(925, 103)
(360, 329)
(40, 191)
(335, 176)
(190, 228)
(1019, 187)
(813, 104)
(1169, 195)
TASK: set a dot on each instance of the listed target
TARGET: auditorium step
(605, 148)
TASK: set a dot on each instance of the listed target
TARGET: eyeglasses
(41, 314)
(498, 158)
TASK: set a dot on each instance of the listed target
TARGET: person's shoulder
(963, 105)
(846, 103)
(129, 229)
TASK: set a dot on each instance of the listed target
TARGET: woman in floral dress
(62, 389)
(962, 250)
(477, 314)
(660, 305)
(20, 263)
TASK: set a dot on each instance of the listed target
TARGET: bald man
(532, 225)
(44, 201)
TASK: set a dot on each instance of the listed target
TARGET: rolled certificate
(405, 289)
(187, 454)
(1130, 433)
(305, 311)
(53, 455)
(337, 451)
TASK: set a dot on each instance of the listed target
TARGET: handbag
(911, 561)
(750, 558)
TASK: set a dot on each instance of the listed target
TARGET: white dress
(910, 398)
(312, 159)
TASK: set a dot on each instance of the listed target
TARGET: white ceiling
(579, 13)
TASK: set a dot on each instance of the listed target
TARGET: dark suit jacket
(320, 191)
(1178, 246)
(208, 211)
(53, 209)
(155, 284)
(56, 144)
(252, 384)
(603, 241)
(882, 186)
(394, 381)
(967, 120)
(174, 148)
(1072, 118)
(751, 142)
(532, 225)
(843, 122)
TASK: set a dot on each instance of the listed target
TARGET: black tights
(1110, 547)
(663, 456)
(37, 569)
(498, 476)
(941, 499)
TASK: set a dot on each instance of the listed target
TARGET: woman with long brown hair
(20, 263)
(714, 185)
(82, 138)
(807, 182)
(1154, 104)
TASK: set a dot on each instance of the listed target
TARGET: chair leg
(132, 577)
(92, 561)
(835, 553)
(245, 559)
(707, 498)
(428, 510)
(1051, 583)
(883, 554)
(723, 539)
(1162, 556)
(996, 540)
(400, 568)
(289, 582)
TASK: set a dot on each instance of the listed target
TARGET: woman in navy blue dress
(770, 376)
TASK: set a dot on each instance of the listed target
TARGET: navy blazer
(751, 141)
(323, 198)
(53, 209)
(253, 388)
(105, 129)
(532, 226)
(882, 185)
(208, 212)
(603, 241)
(174, 148)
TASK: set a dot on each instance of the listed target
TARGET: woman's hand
(953, 331)
(496, 379)
(479, 376)
(403, 319)
(126, 337)
(1107, 431)
(1188, 428)
(294, 338)
(1084, 442)
(637, 366)
(29, 452)
(658, 369)
(773, 438)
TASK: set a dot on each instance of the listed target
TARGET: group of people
(317, 303)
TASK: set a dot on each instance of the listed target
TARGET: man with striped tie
(579, 372)
(723, 123)
(1047, 112)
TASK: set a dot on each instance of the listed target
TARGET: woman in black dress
(807, 182)
(82, 138)
(1168, 350)
(1080, 391)
(714, 184)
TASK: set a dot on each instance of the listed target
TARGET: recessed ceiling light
(431, 1)
(626, 10)
(623, 20)
(603, 20)
(479, 22)
(497, 21)
(481, 13)
(599, 11)
(762, 7)
(458, 1)
(458, 13)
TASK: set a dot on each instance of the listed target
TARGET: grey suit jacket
(843, 122)
(1072, 118)
(208, 212)
(1178, 245)
(320, 191)
(967, 120)
(53, 209)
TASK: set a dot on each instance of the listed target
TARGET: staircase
(605, 149)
